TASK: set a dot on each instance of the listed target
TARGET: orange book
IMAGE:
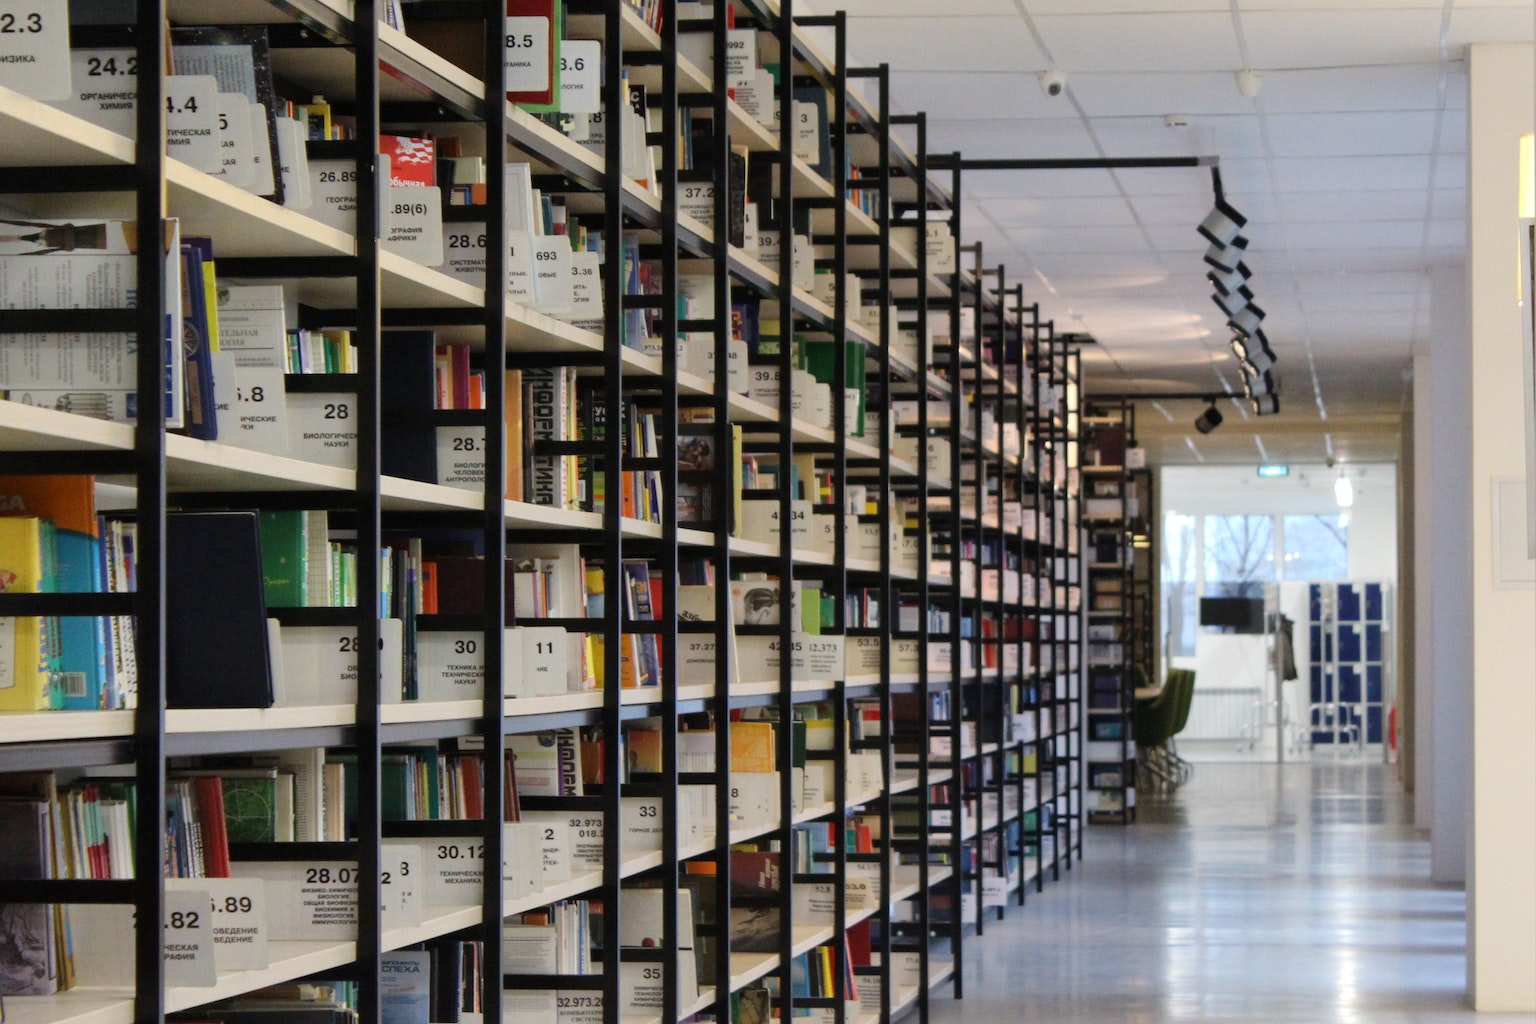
(752, 747)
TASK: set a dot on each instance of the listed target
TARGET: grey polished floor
(1293, 894)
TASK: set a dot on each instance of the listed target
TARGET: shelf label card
(333, 194)
(322, 428)
(581, 76)
(250, 406)
(307, 901)
(697, 200)
(414, 218)
(542, 662)
(400, 883)
(740, 55)
(449, 666)
(320, 663)
(188, 936)
(552, 273)
(454, 872)
(238, 917)
(584, 852)
(527, 46)
(461, 457)
(234, 138)
(586, 290)
(34, 48)
(520, 267)
(823, 656)
(192, 120)
(262, 182)
(464, 252)
(105, 89)
(641, 818)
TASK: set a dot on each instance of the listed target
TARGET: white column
(1442, 388)
(1501, 882)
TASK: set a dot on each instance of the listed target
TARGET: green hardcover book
(250, 806)
(284, 558)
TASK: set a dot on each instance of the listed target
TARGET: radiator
(1220, 712)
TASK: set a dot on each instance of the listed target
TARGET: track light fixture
(1226, 257)
(1231, 282)
(1246, 320)
(1208, 420)
(1253, 354)
(1223, 223)
(1259, 386)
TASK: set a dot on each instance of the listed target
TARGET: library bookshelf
(783, 485)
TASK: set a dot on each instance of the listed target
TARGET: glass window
(1316, 547)
(1180, 577)
(1239, 555)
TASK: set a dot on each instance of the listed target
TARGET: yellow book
(752, 747)
(25, 661)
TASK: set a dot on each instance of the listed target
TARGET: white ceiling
(1349, 164)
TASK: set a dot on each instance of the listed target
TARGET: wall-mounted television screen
(1233, 614)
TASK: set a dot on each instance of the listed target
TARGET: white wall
(1501, 877)
(1442, 400)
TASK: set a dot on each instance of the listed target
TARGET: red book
(209, 793)
(412, 161)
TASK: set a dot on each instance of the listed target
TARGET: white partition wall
(1501, 883)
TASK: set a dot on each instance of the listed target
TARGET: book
(216, 618)
(197, 341)
(27, 930)
(28, 658)
(285, 550)
(239, 57)
(69, 502)
(405, 987)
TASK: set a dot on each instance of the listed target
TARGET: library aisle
(1278, 893)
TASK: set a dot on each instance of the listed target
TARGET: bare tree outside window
(1316, 547)
(1239, 555)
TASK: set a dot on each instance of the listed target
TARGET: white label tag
(464, 252)
(333, 194)
(543, 666)
(552, 273)
(740, 56)
(191, 120)
(555, 847)
(293, 160)
(642, 822)
(528, 56)
(824, 657)
(234, 138)
(807, 131)
(321, 428)
(250, 406)
(105, 88)
(188, 933)
(581, 69)
(453, 872)
(34, 48)
(415, 219)
(307, 902)
(400, 882)
(320, 663)
(520, 267)
(449, 666)
(698, 201)
(585, 832)
(586, 288)
(461, 457)
(239, 919)
(262, 182)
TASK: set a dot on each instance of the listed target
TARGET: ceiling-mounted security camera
(1052, 82)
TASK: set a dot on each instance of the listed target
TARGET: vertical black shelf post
(957, 610)
(615, 100)
(667, 613)
(368, 725)
(493, 760)
(149, 459)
